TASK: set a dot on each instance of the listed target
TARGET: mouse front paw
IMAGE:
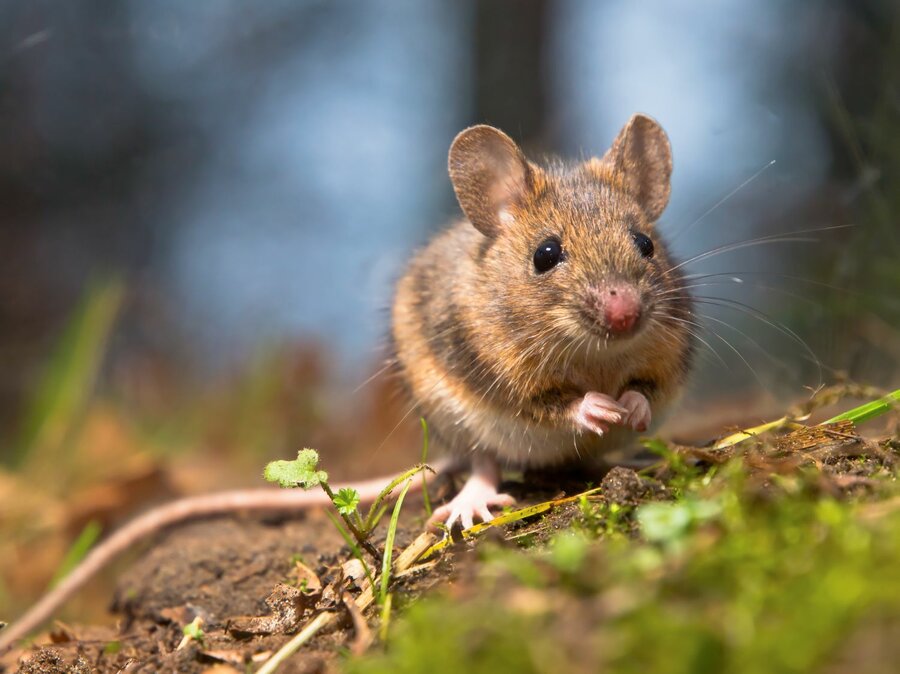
(638, 417)
(473, 501)
(596, 412)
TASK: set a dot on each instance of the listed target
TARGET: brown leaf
(364, 636)
(287, 605)
(307, 579)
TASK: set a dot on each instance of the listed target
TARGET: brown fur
(493, 353)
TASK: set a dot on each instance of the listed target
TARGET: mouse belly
(517, 440)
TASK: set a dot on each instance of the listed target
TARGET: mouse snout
(617, 306)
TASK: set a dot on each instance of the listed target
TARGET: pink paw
(474, 500)
(597, 412)
(638, 417)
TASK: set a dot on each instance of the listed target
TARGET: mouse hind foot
(476, 498)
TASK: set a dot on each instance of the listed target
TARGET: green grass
(869, 410)
(68, 381)
(727, 578)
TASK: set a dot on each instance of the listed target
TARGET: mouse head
(572, 246)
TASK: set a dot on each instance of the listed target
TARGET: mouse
(548, 325)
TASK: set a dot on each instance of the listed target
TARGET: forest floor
(780, 554)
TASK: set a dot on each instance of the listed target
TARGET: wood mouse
(549, 324)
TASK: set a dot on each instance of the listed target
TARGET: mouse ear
(641, 159)
(489, 174)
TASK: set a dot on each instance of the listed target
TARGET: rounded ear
(641, 159)
(489, 174)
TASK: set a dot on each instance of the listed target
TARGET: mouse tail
(192, 507)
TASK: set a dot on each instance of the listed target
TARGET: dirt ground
(225, 570)
(250, 580)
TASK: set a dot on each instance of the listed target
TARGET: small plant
(355, 528)
(302, 472)
(193, 631)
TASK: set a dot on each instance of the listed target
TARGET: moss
(742, 584)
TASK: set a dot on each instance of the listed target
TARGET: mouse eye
(643, 243)
(548, 254)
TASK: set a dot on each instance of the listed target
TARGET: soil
(249, 580)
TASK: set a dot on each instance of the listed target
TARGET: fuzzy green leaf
(301, 472)
(346, 501)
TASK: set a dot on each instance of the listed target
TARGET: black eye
(547, 255)
(643, 243)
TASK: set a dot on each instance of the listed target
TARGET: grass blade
(425, 495)
(77, 550)
(385, 617)
(376, 505)
(69, 380)
(869, 410)
(389, 543)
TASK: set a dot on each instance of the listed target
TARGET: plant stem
(354, 547)
(357, 534)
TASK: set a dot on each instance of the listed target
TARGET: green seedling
(193, 631)
(354, 528)
(302, 472)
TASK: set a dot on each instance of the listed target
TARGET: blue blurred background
(204, 205)
(258, 173)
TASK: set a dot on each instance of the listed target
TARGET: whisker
(695, 335)
(761, 316)
(721, 201)
(377, 374)
(773, 289)
(738, 274)
(788, 237)
(776, 361)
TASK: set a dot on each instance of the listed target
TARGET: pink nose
(621, 308)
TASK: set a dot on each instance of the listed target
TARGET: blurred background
(204, 206)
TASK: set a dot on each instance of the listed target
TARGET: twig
(296, 642)
(404, 560)
(363, 634)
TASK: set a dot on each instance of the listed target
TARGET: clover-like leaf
(301, 472)
(346, 501)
